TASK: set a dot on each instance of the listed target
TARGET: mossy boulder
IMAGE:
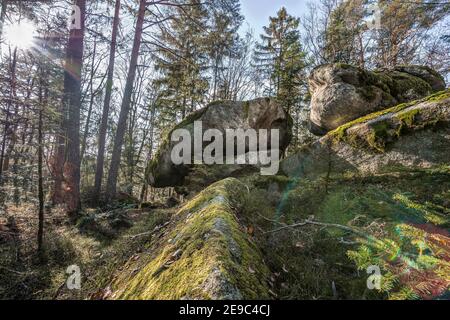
(205, 254)
(412, 135)
(263, 113)
(342, 93)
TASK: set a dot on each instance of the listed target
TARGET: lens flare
(20, 35)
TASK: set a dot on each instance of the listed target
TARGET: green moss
(404, 216)
(266, 181)
(407, 117)
(384, 82)
(191, 118)
(206, 241)
(344, 66)
(404, 221)
(368, 92)
(376, 138)
(404, 82)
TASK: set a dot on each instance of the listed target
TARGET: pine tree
(183, 60)
(72, 99)
(223, 38)
(405, 27)
(281, 58)
(344, 35)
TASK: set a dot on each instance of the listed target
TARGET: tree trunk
(40, 178)
(91, 102)
(6, 129)
(105, 113)
(72, 97)
(124, 110)
(216, 72)
(144, 189)
(2, 19)
(57, 162)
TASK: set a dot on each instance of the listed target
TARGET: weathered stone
(342, 93)
(205, 255)
(257, 114)
(415, 135)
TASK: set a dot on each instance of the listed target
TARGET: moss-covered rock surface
(257, 114)
(285, 238)
(342, 93)
(412, 135)
(204, 254)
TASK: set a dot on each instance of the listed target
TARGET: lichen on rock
(342, 93)
(413, 135)
(378, 129)
(263, 113)
(205, 255)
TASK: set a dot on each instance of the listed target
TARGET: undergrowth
(403, 215)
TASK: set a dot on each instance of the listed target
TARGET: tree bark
(2, 19)
(91, 101)
(57, 162)
(6, 130)
(72, 98)
(106, 105)
(40, 177)
(124, 110)
(144, 189)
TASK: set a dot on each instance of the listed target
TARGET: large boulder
(414, 135)
(263, 113)
(342, 93)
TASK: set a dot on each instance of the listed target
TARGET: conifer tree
(183, 60)
(223, 39)
(281, 58)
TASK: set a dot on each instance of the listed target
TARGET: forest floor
(99, 244)
(404, 216)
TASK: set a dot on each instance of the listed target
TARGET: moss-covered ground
(398, 221)
(98, 254)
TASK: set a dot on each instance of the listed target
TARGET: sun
(20, 35)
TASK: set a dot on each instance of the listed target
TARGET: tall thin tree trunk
(91, 102)
(72, 97)
(144, 189)
(216, 72)
(40, 177)
(2, 19)
(8, 113)
(105, 113)
(124, 110)
(58, 159)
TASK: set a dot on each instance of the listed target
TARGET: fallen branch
(140, 235)
(322, 224)
(16, 272)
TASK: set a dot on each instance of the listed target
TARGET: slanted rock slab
(206, 255)
(412, 135)
(342, 93)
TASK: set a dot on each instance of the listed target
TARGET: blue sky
(257, 12)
